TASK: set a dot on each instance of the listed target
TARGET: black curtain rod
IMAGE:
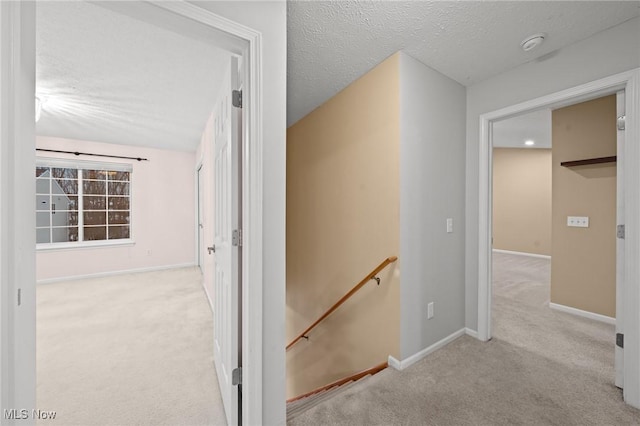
(92, 155)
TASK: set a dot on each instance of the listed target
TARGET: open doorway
(116, 140)
(626, 292)
(554, 239)
(17, 369)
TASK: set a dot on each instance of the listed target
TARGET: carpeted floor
(542, 367)
(127, 350)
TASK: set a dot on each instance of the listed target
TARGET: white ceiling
(110, 78)
(113, 78)
(330, 44)
(513, 132)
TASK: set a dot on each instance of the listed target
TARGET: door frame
(629, 82)
(17, 183)
(199, 250)
(17, 223)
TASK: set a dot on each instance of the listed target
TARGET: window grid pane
(118, 232)
(73, 205)
(64, 234)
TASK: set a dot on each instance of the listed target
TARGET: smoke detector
(532, 41)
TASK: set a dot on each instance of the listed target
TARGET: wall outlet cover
(578, 221)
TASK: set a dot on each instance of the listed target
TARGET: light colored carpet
(132, 349)
(541, 368)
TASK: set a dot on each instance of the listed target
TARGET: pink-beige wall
(163, 214)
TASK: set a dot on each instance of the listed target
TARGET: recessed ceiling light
(532, 41)
(529, 143)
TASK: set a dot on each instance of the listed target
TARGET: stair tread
(312, 400)
(315, 399)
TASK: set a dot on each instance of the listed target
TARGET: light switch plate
(430, 310)
(578, 221)
(449, 225)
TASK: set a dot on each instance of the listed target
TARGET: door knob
(211, 249)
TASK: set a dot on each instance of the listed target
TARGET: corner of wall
(432, 190)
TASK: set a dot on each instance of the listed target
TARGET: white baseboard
(394, 363)
(521, 253)
(401, 365)
(581, 313)
(470, 332)
(114, 273)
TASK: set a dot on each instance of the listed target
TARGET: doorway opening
(109, 217)
(627, 296)
(18, 370)
(562, 307)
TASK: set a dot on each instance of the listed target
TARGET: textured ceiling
(513, 132)
(330, 44)
(110, 78)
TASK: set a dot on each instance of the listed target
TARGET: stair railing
(371, 276)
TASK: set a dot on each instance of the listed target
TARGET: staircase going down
(299, 406)
(302, 403)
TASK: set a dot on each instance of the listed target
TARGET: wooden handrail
(344, 298)
(341, 382)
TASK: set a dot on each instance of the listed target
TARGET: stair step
(298, 407)
(304, 404)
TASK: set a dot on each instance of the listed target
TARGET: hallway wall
(522, 200)
(609, 52)
(583, 267)
(432, 145)
(342, 221)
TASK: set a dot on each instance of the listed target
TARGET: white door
(226, 220)
(620, 277)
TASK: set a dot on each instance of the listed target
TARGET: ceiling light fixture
(529, 143)
(532, 41)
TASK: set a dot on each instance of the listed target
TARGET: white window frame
(81, 165)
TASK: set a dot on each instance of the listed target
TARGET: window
(79, 202)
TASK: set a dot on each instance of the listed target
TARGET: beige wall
(583, 267)
(522, 200)
(342, 221)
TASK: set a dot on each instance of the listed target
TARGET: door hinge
(620, 340)
(620, 231)
(236, 98)
(19, 296)
(236, 238)
(621, 122)
(236, 376)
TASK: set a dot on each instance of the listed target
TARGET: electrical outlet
(449, 225)
(430, 310)
(578, 221)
